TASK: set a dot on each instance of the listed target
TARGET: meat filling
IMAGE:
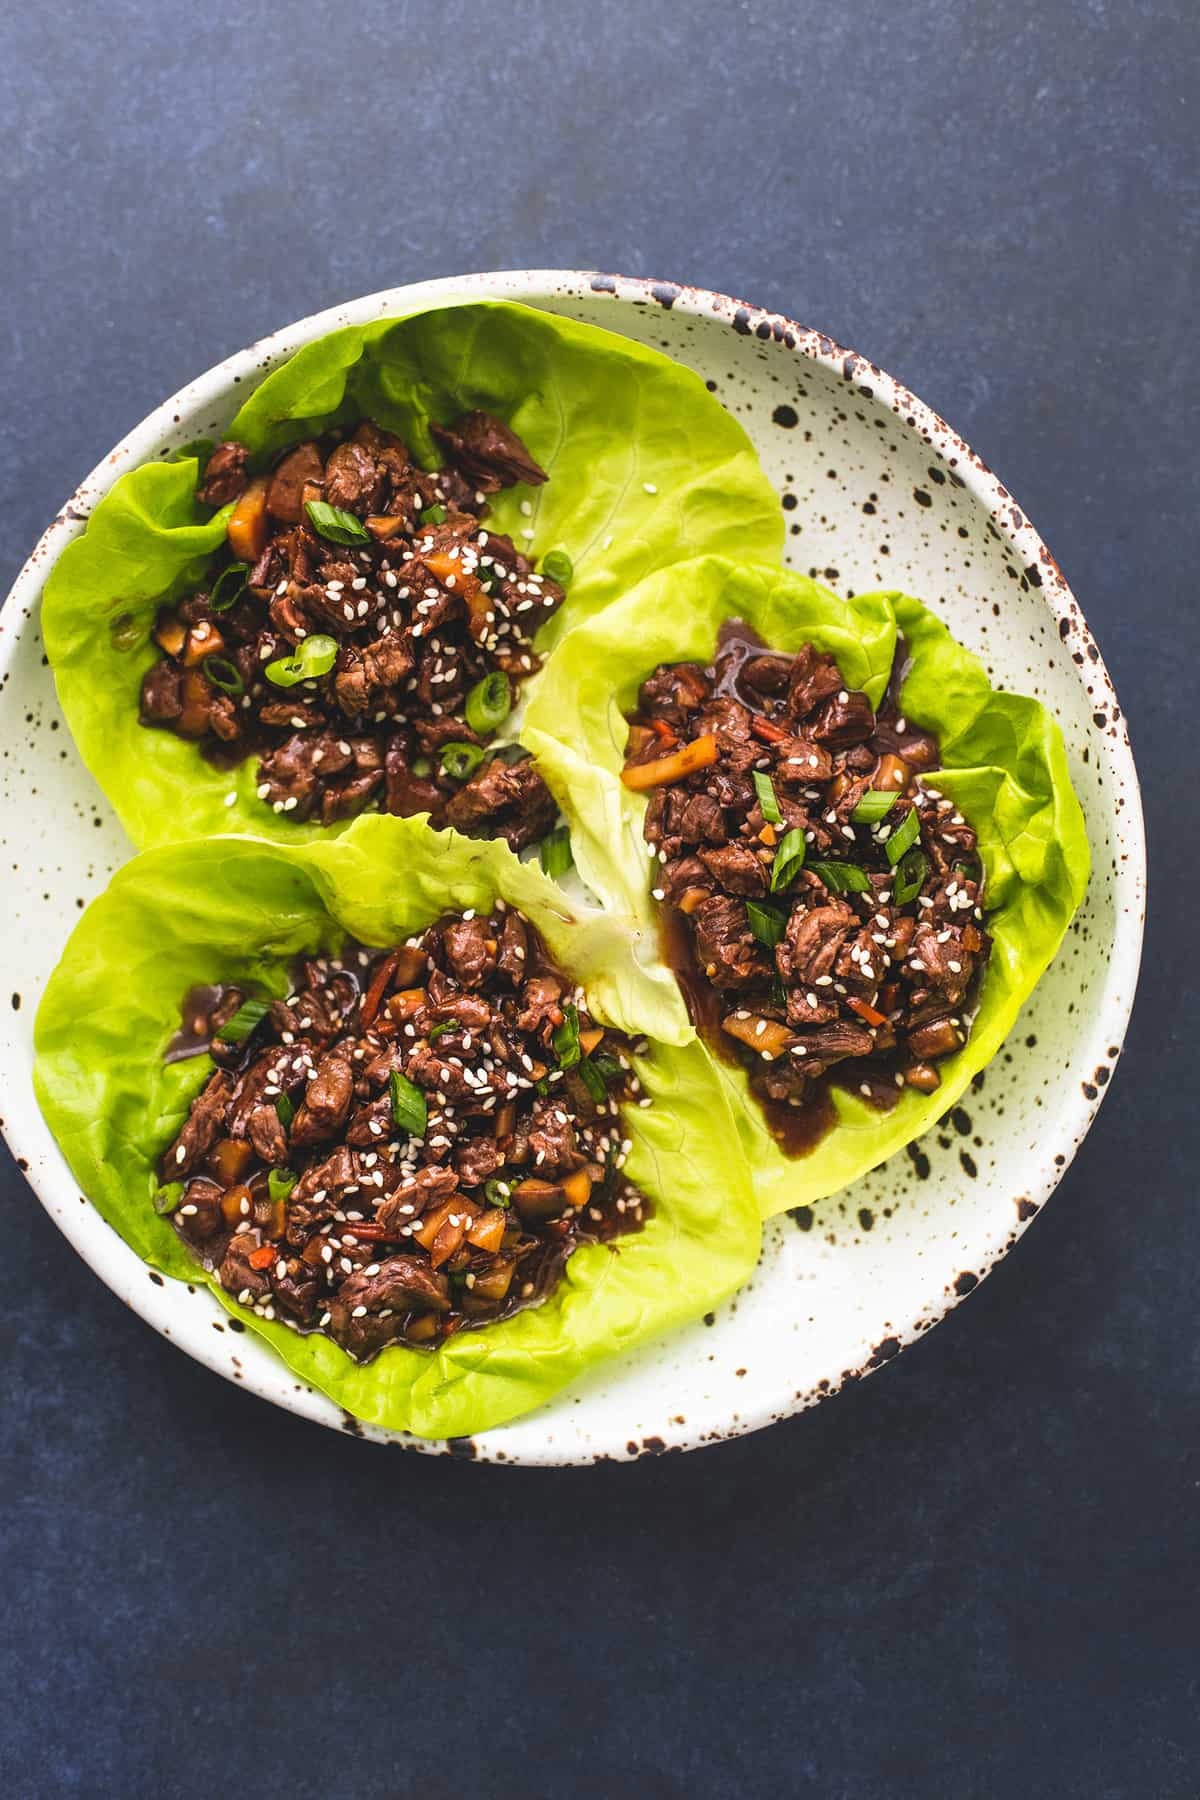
(366, 634)
(410, 1144)
(822, 901)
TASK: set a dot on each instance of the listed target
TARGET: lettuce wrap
(1004, 766)
(238, 910)
(646, 468)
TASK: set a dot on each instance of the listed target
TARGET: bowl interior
(878, 493)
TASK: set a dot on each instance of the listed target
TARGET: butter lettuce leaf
(1004, 765)
(646, 468)
(237, 909)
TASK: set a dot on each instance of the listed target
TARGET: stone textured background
(974, 1575)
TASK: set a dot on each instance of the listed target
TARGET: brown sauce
(194, 1037)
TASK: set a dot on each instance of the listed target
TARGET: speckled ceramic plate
(878, 492)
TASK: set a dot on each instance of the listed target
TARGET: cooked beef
(726, 948)
(224, 475)
(503, 799)
(396, 1151)
(488, 453)
(814, 952)
(414, 613)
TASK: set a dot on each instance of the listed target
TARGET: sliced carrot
(260, 1258)
(770, 734)
(373, 998)
(247, 526)
(487, 1232)
(701, 753)
(865, 1011)
(577, 1187)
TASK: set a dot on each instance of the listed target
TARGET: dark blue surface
(977, 1573)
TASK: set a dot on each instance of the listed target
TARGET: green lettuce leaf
(1004, 765)
(237, 909)
(645, 467)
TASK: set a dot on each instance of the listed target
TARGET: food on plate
(439, 1178)
(366, 634)
(409, 1143)
(860, 857)
(823, 908)
(598, 461)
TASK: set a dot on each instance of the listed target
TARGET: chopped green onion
(422, 767)
(778, 993)
(903, 837)
(168, 1198)
(489, 703)
(766, 922)
(558, 566)
(460, 760)
(224, 674)
(280, 1183)
(840, 877)
(438, 1030)
(766, 798)
(789, 859)
(408, 1105)
(910, 877)
(496, 1192)
(285, 1112)
(246, 1019)
(433, 515)
(610, 1069)
(593, 1081)
(229, 587)
(554, 852)
(542, 1088)
(566, 1038)
(313, 656)
(338, 526)
(875, 804)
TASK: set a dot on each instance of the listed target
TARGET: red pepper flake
(259, 1259)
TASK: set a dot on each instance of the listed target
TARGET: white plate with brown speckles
(908, 505)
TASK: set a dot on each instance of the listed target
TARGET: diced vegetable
(248, 526)
(701, 753)
(767, 1037)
